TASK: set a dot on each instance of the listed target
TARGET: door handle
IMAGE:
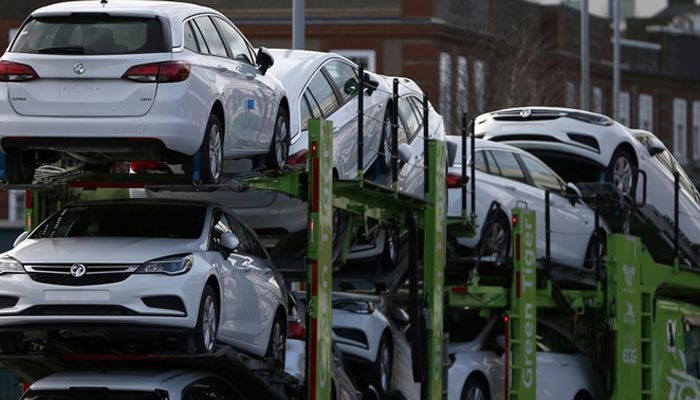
(250, 77)
(510, 188)
(221, 68)
(564, 363)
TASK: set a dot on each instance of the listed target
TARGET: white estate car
(579, 145)
(154, 265)
(660, 166)
(478, 372)
(142, 384)
(509, 176)
(138, 80)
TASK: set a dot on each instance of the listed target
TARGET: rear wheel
(595, 255)
(495, 238)
(20, 166)
(211, 154)
(384, 155)
(205, 333)
(279, 148)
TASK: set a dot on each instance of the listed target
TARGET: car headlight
(174, 265)
(354, 306)
(10, 266)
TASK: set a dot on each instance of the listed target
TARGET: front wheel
(595, 255)
(205, 333)
(210, 156)
(383, 365)
(621, 171)
(277, 345)
(279, 148)
(475, 389)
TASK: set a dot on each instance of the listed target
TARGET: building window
(623, 109)
(680, 129)
(446, 88)
(570, 94)
(598, 100)
(646, 112)
(696, 130)
(368, 58)
(15, 206)
(462, 87)
(480, 86)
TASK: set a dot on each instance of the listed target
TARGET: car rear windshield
(90, 35)
(143, 220)
(91, 394)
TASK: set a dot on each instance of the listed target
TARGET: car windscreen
(143, 220)
(92, 394)
(90, 34)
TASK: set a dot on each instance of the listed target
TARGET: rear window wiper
(63, 50)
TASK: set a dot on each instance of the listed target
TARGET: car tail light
(149, 167)
(296, 330)
(298, 158)
(16, 72)
(170, 71)
(455, 180)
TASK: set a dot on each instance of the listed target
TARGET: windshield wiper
(63, 50)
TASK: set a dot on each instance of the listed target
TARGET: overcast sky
(644, 8)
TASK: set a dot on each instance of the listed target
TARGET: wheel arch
(218, 109)
(479, 375)
(630, 150)
(214, 283)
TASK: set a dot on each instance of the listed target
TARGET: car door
(228, 83)
(262, 277)
(238, 294)
(493, 361)
(557, 372)
(260, 97)
(571, 221)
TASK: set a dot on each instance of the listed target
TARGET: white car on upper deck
(128, 80)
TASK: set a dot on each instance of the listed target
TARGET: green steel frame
(323, 193)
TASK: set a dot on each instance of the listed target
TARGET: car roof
(148, 201)
(295, 67)
(167, 9)
(136, 379)
(484, 145)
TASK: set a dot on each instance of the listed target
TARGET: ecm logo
(528, 283)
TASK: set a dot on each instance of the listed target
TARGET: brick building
(478, 55)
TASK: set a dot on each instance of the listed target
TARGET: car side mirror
(401, 318)
(573, 192)
(264, 60)
(229, 241)
(20, 238)
(370, 84)
(405, 152)
(656, 147)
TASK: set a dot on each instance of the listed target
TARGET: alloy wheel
(282, 146)
(215, 153)
(278, 341)
(475, 393)
(209, 324)
(622, 174)
(385, 368)
(496, 240)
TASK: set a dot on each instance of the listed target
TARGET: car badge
(525, 113)
(78, 270)
(79, 69)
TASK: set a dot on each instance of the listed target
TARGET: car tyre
(621, 171)
(595, 255)
(475, 389)
(384, 155)
(205, 333)
(211, 154)
(495, 238)
(277, 345)
(382, 367)
(279, 148)
(19, 166)
(390, 254)
(582, 396)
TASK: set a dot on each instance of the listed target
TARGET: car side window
(236, 44)
(321, 93)
(409, 117)
(481, 164)
(212, 37)
(344, 78)
(203, 46)
(551, 341)
(542, 176)
(508, 165)
(305, 113)
(255, 248)
(213, 389)
(245, 246)
(190, 39)
(219, 227)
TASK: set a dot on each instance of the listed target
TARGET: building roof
(675, 10)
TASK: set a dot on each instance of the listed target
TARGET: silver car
(138, 80)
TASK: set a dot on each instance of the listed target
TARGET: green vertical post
(434, 265)
(624, 297)
(320, 249)
(521, 323)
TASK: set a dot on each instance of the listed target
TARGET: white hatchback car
(185, 267)
(138, 80)
(510, 176)
(477, 372)
(585, 144)
(143, 384)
